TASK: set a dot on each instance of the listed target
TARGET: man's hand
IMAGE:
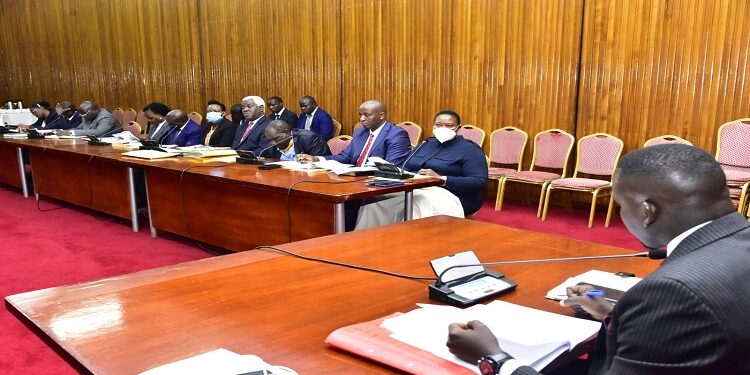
(471, 341)
(23, 128)
(305, 158)
(597, 307)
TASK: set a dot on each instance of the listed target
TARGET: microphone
(403, 165)
(274, 145)
(166, 135)
(113, 131)
(53, 121)
(394, 172)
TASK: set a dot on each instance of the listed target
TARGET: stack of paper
(219, 362)
(608, 281)
(532, 336)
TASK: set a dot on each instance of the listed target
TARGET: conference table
(281, 307)
(229, 205)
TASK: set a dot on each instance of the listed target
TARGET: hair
(40, 104)
(65, 104)
(276, 98)
(158, 108)
(236, 109)
(680, 167)
(280, 126)
(256, 99)
(310, 98)
(220, 104)
(449, 113)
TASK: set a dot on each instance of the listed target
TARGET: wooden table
(11, 167)
(282, 308)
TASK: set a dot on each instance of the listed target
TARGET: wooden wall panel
(654, 67)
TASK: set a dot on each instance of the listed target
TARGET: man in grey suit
(692, 315)
(96, 121)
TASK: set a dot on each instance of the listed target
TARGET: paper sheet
(605, 279)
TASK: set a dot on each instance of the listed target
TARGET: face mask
(443, 134)
(213, 117)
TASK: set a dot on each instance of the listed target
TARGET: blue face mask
(213, 117)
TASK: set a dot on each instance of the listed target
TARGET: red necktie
(247, 131)
(363, 155)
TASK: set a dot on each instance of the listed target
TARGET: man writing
(289, 144)
(691, 314)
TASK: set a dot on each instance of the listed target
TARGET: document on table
(532, 336)
(601, 279)
(217, 362)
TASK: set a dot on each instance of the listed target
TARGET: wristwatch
(490, 365)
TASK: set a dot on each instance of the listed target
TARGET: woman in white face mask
(461, 165)
(218, 131)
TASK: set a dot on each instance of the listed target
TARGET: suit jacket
(102, 124)
(288, 116)
(223, 136)
(189, 135)
(256, 141)
(53, 121)
(392, 144)
(688, 317)
(322, 123)
(305, 142)
(462, 162)
(154, 136)
(73, 122)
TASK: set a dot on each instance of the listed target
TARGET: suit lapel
(381, 138)
(724, 226)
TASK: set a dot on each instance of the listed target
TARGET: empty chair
(414, 131)
(506, 147)
(134, 128)
(597, 155)
(117, 114)
(197, 117)
(666, 139)
(128, 115)
(551, 151)
(472, 133)
(141, 119)
(336, 128)
(733, 154)
(339, 143)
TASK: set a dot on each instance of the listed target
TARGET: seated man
(68, 111)
(250, 135)
(95, 121)
(46, 118)
(687, 317)
(459, 162)
(183, 130)
(158, 128)
(219, 131)
(314, 118)
(279, 112)
(289, 144)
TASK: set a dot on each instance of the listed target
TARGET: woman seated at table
(461, 165)
(46, 118)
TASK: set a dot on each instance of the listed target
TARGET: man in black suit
(250, 134)
(279, 112)
(688, 317)
(218, 131)
(290, 144)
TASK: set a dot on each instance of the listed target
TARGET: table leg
(148, 203)
(133, 203)
(408, 205)
(339, 218)
(22, 171)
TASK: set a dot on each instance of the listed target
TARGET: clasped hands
(473, 340)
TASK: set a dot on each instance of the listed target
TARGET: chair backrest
(732, 150)
(197, 117)
(414, 131)
(507, 145)
(598, 154)
(665, 140)
(552, 150)
(339, 143)
(117, 114)
(133, 127)
(141, 119)
(336, 128)
(472, 133)
(129, 115)
(357, 125)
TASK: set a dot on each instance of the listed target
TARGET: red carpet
(70, 245)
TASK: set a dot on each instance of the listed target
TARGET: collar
(282, 111)
(677, 240)
(184, 125)
(312, 114)
(377, 131)
(289, 147)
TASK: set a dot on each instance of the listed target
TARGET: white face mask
(443, 134)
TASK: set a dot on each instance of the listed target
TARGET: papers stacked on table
(219, 362)
(614, 285)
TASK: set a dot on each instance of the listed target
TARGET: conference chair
(506, 148)
(129, 115)
(141, 119)
(339, 143)
(472, 133)
(197, 117)
(733, 154)
(134, 128)
(356, 126)
(597, 155)
(117, 114)
(549, 161)
(665, 140)
(414, 131)
(336, 128)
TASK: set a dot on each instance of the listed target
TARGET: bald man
(183, 131)
(690, 316)
(94, 121)
(314, 118)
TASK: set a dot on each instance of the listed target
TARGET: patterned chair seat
(496, 171)
(579, 183)
(532, 176)
(737, 177)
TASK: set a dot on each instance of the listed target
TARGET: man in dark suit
(279, 112)
(46, 118)
(688, 317)
(291, 143)
(314, 118)
(250, 135)
(219, 131)
(183, 130)
(71, 117)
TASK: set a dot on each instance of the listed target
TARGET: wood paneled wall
(635, 68)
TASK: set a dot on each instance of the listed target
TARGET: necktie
(365, 151)
(278, 116)
(247, 131)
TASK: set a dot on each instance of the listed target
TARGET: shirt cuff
(509, 367)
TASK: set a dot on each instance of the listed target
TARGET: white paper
(605, 279)
(216, 362)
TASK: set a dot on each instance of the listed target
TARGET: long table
(282, 308)
(233, 206)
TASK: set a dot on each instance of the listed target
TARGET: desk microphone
(395, 172)
(274, 145)
(113, 131)
(53, 121)
(250, 158)
(403, 165)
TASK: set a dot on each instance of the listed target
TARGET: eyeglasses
(82, 113)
